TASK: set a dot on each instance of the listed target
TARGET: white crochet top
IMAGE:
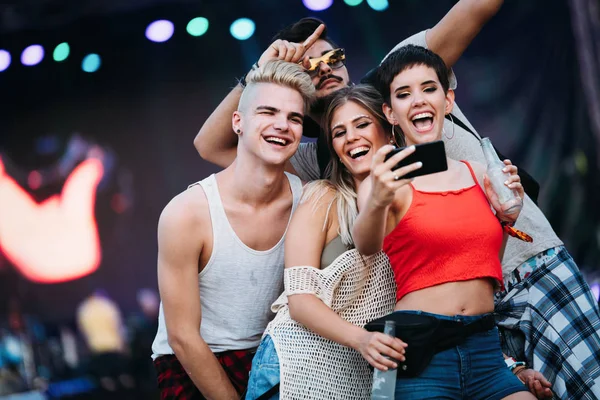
(357, 288)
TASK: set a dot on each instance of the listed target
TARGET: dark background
(519, 83)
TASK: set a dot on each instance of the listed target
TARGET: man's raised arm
(450, 37)
(180, 242)
(216, 142)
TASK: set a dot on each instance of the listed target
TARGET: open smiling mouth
(358, 152)
(423, 122)
(276, 141)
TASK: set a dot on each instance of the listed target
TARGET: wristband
(511, 363)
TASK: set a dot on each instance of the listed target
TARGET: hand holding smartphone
(432, 155)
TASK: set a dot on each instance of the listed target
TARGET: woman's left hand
(513, 182)
(537, 384)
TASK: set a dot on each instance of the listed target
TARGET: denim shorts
(265, 370)
(473, 370)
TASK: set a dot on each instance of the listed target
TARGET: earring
(393, 138)
(239, 131)
(452, 122)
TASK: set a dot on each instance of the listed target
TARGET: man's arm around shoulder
(181, 236)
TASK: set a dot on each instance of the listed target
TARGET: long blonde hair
(341, 180)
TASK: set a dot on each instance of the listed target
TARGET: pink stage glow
(56, 240)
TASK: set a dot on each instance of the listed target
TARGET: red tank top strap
(415, 193)
(471, 170)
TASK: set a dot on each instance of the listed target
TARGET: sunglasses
(335, 58)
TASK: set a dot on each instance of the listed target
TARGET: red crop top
(445, 237)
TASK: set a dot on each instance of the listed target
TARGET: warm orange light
(56, 240)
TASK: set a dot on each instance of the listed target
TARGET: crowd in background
(99, 352)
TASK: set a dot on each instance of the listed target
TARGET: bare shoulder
(314, 218)
(186, 213)
(478, 168)
(318, 192)
(461, 167)
(317, 201)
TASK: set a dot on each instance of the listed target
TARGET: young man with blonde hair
(217, 273)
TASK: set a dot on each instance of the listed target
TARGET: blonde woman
(316, 347)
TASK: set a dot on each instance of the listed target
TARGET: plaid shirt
(175, 384)
(555, 309)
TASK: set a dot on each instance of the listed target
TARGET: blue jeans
(265, 370)
(473, 370)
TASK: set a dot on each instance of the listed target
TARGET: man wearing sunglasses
(334, 59)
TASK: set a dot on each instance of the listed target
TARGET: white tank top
(237, 285)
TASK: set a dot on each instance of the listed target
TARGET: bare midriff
(472, 297)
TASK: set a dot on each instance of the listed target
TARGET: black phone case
(432, 155)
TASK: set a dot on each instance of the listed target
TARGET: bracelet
(242, 80)
(518, 370)
(516, 367)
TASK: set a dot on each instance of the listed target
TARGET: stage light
(317, 5)
(160, 31)
(197, 26)
(242, 28)
(4, 60)
(353, 3)
(32, 55)
(61, 52)
(378, 5)
(91, 63)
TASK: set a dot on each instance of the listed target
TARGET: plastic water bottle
(384, 382)
(509, 198)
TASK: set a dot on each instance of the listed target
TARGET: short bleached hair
(281, 73)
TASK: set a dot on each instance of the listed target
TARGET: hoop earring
(393, 138)
(452, 122)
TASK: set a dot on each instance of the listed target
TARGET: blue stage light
(242, 28)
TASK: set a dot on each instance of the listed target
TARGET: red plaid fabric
(175, 384)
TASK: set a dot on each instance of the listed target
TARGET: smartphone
(432, 155)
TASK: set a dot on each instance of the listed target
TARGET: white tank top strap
(296, 186)
(220, 223)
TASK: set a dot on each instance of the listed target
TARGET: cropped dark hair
(299, 31)
(407, 57)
